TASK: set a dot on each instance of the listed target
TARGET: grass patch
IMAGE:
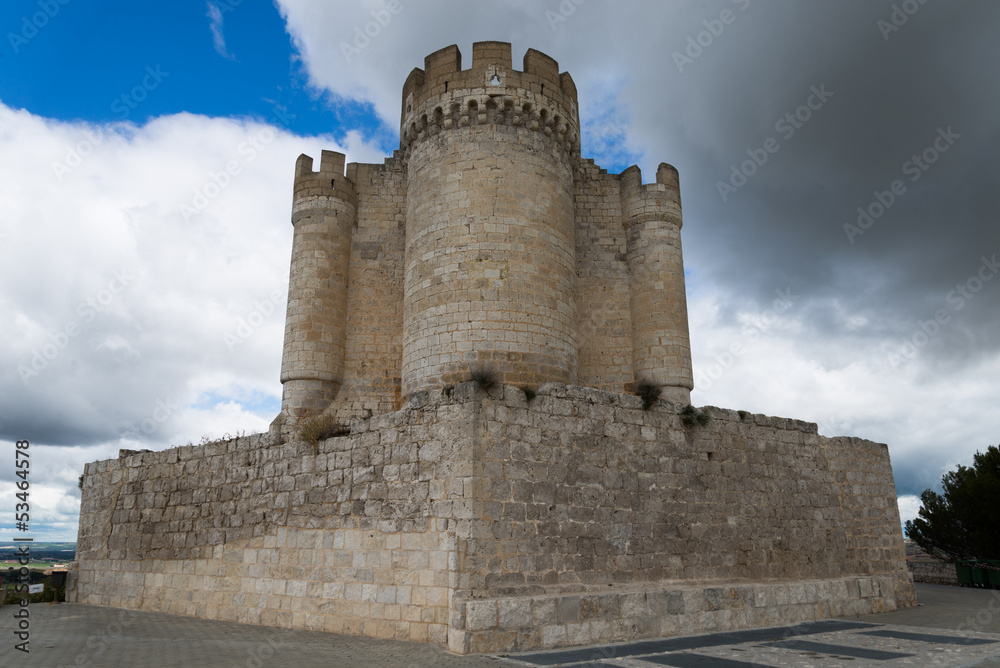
(321, 428)
(743, 414)
(690, 416)
(649, 393)
(529, 394)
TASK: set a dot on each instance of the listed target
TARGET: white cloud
(124, 296)
(218, 37)
(909, 506)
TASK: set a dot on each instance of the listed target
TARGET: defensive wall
(484, 521)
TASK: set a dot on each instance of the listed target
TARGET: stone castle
(485, 243)
(478, 313)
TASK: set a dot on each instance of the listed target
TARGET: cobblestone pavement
(953, 627)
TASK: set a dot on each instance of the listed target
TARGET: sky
(838, 172)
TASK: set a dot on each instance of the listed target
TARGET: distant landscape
(43, 555)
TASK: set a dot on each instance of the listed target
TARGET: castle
(479, 312)
(485, 243)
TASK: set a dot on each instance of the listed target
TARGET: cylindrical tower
(312, 361)
(661, 346)
(490, 256)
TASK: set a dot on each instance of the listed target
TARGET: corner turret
(661, 346)
(324, 211)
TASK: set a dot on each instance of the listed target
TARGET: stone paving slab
(954, 628)
(665, 645)
(89, 636)
(947, 607)
(859, 646)
(950, 627)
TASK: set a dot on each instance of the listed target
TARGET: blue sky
(139, 234)
(96, 53)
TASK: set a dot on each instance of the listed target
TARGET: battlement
(443, 96)
(642, 202)
(329, 181)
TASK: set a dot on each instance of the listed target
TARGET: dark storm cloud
(923, 92)
(918, 106)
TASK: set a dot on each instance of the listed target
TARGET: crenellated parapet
(326, 187)
(651, 201)
(443, 96)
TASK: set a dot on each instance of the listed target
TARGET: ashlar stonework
(548, 509)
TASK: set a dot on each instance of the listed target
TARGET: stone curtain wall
(355, 538)
(490, 522)
(934, 572)
(584, 488)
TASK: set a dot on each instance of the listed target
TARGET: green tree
(964, 522)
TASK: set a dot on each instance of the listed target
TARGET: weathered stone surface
(527, 526)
